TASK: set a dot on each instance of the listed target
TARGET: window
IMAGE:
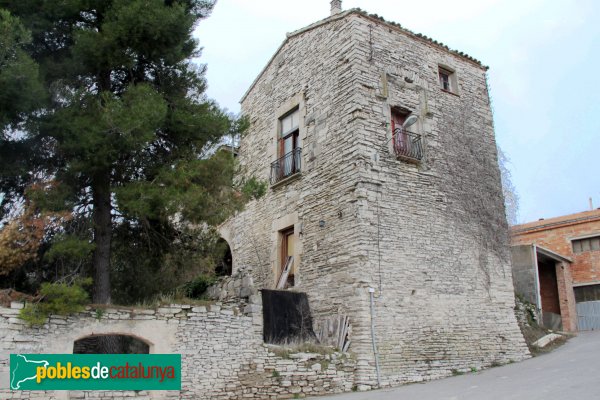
(288, 150)
(587, 293)
(586, 244)
(447, 79)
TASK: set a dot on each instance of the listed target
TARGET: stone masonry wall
(223, 355)
(313, 72)
(435, 230)
(430, 237)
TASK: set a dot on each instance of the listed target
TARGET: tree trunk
(102, 237)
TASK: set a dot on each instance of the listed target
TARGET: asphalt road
(571, 372)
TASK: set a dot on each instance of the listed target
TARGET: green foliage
(53, 196)
(21, 92)
(254, 188)
(33, 315)
(123, 129)
(69, 247)
(198, 189)
(58, 299)
(20, 88)
(158, 259)
(99, 313)
(195, 289)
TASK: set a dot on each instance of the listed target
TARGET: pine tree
(21, 92)
(124, 132)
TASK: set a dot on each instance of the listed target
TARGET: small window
(447, 80)
(586, 244)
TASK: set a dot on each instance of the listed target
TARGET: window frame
(293, 133)
(286, 235)
(585, 244)
(451, 79)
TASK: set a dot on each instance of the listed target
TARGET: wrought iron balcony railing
(407, 144)
(286, 166)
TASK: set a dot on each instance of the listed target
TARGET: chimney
(336, 7)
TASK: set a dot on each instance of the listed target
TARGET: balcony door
(399, 136)
(288, 142)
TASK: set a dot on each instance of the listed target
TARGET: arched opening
(225, 264)
(110, 344)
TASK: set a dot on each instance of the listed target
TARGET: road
(569, 372)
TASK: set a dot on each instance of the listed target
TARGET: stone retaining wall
(223, 355)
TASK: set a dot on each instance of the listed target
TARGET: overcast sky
(544, 59)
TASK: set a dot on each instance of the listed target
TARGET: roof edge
(423, 38)
(287, 38)
(520, 229)
(375, 18)
(552, 254)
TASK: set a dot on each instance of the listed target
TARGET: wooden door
(399, 137)
(288, 249)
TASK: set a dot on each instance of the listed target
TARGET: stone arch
(226, 237)
(225, 264)
(111, 343)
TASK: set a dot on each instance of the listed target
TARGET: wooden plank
(285, 273)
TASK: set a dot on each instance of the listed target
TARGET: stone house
(556, 266)
(385, 203)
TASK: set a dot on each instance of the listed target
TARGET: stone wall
(223, 355)
(430, 236)
(435, 230)
(524, 273)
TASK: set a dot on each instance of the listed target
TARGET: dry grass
(287, 350)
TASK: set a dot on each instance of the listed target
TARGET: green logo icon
(95, 371)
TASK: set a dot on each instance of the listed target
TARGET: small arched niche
(225, 263)
(111, 344)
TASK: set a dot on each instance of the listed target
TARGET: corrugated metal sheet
(588, 315)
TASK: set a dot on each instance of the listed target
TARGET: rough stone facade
(223, 355)
(429, 236)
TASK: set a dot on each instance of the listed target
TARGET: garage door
(588, 307)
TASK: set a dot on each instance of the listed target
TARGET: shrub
(196, 288)
(56, 298)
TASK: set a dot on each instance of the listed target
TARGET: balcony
(407, 145)
(286, 166)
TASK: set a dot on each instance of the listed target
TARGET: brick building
(572, 279)
(379, 147)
